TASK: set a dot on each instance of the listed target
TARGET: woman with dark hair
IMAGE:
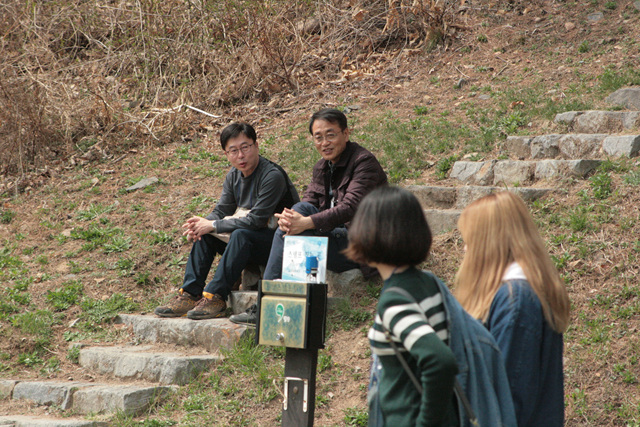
(389, 232)
(508, 281)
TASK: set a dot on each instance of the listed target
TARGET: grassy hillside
(92, 100)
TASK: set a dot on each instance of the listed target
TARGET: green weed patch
(6, 216)
(65, 297)
(93, 212)
(110, 239)
(97, 312)
(356, 417)
(345, 317)
(611, 79)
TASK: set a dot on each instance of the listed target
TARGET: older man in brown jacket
(346, 173)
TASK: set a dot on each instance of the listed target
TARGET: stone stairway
(533, 165)
(30, 421)
(165, 354)
(443, 205)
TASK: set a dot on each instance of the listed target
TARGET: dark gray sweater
(266, 191)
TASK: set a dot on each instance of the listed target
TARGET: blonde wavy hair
(498, 230)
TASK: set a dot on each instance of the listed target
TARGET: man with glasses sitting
(346, 173)
(253, 190)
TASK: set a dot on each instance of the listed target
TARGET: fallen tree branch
(198, 110)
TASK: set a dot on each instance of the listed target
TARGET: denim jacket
(532, 352)
(480, 365)
(481, 370)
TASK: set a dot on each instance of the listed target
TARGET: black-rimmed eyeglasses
(234, 151)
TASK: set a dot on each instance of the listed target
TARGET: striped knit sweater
(419, 329)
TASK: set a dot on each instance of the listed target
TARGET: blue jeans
(244, 247)
(338, 241)
(373, 397)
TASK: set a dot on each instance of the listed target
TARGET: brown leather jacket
(355, 174)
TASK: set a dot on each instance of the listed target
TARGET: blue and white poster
(305, 259)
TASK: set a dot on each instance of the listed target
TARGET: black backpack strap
(457, 388)
(288, 200)
(291, 196)
(402, 360)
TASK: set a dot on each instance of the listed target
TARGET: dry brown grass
(76, 73)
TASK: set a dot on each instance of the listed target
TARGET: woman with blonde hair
(508, 281)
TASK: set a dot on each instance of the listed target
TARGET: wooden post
(299, 387)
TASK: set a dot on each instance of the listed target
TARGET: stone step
(593, 121)
(626, 97)
(440, 220)
(241, 300)
(145, 363)
(434, 197)
(340, 286)
(85, 398)
(572, 146)
(129, 399)
(520, 172)
(445, 218)
(27, 421)
(210, 334)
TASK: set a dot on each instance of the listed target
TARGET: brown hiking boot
(179, 306)
(208, 308)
